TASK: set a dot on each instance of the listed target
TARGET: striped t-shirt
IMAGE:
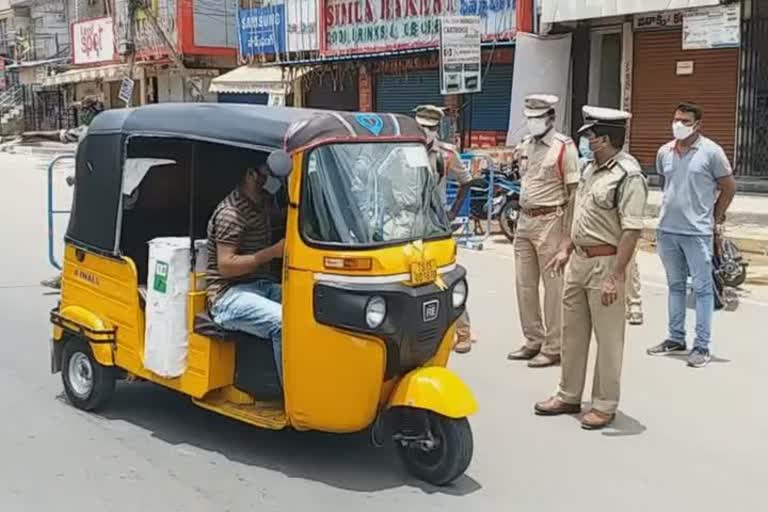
(247, 225)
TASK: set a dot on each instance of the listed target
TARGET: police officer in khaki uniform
(607, 222)
(634, 296)
(549, 169)
(444, 159)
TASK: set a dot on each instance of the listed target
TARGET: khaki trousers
(634, 297)
(583, 314)
(535, 245)
(463, 327)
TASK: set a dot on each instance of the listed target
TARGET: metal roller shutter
(400, 94)
(657, 90)
(490, 111)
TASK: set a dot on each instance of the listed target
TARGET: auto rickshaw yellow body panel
(435, 389)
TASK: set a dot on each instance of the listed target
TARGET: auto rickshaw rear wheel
(87, 384)
(435, 448)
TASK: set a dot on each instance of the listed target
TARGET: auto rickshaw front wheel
(434, 448)
(87, 384)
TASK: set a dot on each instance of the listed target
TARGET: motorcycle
(732, 268)
(503, 202)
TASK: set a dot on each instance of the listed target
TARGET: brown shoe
(596, 420)
(524, 353)
(462, 346)
(554, 407)
(544, 361)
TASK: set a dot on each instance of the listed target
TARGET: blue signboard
(262, 30)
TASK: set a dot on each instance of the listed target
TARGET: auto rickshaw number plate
(423, 272)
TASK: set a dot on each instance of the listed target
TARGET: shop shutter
(400, 94)
(657, 90)
(325, 93)
(490, 111)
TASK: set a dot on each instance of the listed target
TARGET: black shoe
(667, 347)
(699, 358)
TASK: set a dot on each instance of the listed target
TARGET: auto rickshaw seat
(205, 326)
(255, 370)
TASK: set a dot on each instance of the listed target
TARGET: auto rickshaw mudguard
(88, 325)
(436, 389)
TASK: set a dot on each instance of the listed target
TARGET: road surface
(685, 439)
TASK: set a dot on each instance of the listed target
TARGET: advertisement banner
(301, 25)
(93, 41)
(372, 26)
(262, 30)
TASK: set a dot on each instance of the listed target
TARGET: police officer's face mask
(585, 150)
(538, 125)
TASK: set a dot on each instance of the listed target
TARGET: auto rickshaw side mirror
(279, 163)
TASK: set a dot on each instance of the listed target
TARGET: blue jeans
(254, 308)
(684, 255)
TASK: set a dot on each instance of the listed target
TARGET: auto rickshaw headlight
(459, 295)
(375, 312)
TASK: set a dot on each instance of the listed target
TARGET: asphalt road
(685, 439)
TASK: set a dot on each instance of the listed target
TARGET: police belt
(538, 212)
(593, 251)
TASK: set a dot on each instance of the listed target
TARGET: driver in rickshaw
(243, 272)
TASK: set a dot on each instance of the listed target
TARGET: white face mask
(537, 125)
(681, 131)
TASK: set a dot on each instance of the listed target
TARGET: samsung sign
(261, 30)
(554, 11)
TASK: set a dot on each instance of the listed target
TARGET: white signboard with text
(460, 55)
(714, 27)
(93, 41)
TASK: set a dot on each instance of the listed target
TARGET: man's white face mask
(682, 131)
(538, 125)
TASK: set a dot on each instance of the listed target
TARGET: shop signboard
(375, 26)
(93, 41)
(712, 27)
(658, 20)
(301, 25)
(460, 55)
(262, 30)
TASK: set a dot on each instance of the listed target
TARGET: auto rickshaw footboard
(416, 319)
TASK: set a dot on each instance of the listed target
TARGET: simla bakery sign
(371, 26)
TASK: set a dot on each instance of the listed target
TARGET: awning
(108, 73)
(251, 80)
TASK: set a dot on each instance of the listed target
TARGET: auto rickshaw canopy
(101, 155)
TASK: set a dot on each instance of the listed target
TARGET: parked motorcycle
(504, 202)
(732, 268)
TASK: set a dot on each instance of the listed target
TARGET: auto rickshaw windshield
(366, 194)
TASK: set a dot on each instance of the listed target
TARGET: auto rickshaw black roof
(96, 210)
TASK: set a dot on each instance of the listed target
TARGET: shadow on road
(347, 462)
(623, 426)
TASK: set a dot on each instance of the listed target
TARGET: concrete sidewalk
(747, 222)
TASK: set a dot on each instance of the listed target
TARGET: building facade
(649, 59)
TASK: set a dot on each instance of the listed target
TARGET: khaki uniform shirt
(547, 166)
(453, 165)
(610, 199)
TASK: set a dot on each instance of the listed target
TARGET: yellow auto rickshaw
(371, 288)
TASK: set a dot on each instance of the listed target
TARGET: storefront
(373, 57)
(402, 84)
(333, 87)
(666, 72)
